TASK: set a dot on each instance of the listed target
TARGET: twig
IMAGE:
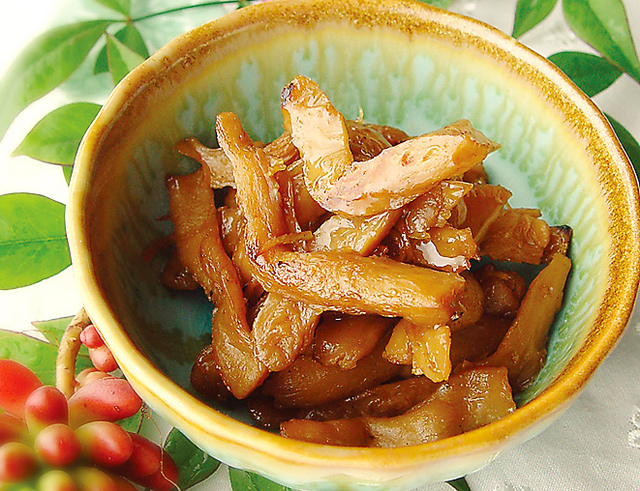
(70, 345)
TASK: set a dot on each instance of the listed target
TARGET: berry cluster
(55, 442)
(99, 353)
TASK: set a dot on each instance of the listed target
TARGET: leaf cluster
(603, 24)
(33, 244)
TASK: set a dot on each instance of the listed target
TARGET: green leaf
(591, 73)
(121, 6)
(28, 485)
(67, 170)
(132, 423)
(248, 481)
(122, 59)
(39, 356)
(44, 64)
(130, 36)
(56, 137)
(529, 13)
(629, 143)
(194, 464)
(459, 484)
(53, 329)
(142, 423)
(604, 25)
(33, 243)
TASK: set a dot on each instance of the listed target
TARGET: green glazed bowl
(404, 64)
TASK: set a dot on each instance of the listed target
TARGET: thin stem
(179, 9)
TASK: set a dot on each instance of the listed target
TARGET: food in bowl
(363, 279)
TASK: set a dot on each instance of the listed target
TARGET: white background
(594, 446)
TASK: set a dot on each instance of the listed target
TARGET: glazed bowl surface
(401, 63)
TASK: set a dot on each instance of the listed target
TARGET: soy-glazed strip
(469, 400)
(341, 281)
(285, 326)
(220, 170)
(371, 319)
(390, 180)
(200, 249)
(523, 349)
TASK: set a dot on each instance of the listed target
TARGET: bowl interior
(402, 64)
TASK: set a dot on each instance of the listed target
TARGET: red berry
(16, 383)
(123, 484)
(89, 375)
(90, 337)
(164, 479)
(103, 359)
(145, 458)
(106, 399)
(11, 428)
(56, 480)
(57, 445)
(46, 405)
(92, 479)
(105, 443)
(17, 462)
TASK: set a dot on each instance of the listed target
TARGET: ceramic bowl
(404, 64)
